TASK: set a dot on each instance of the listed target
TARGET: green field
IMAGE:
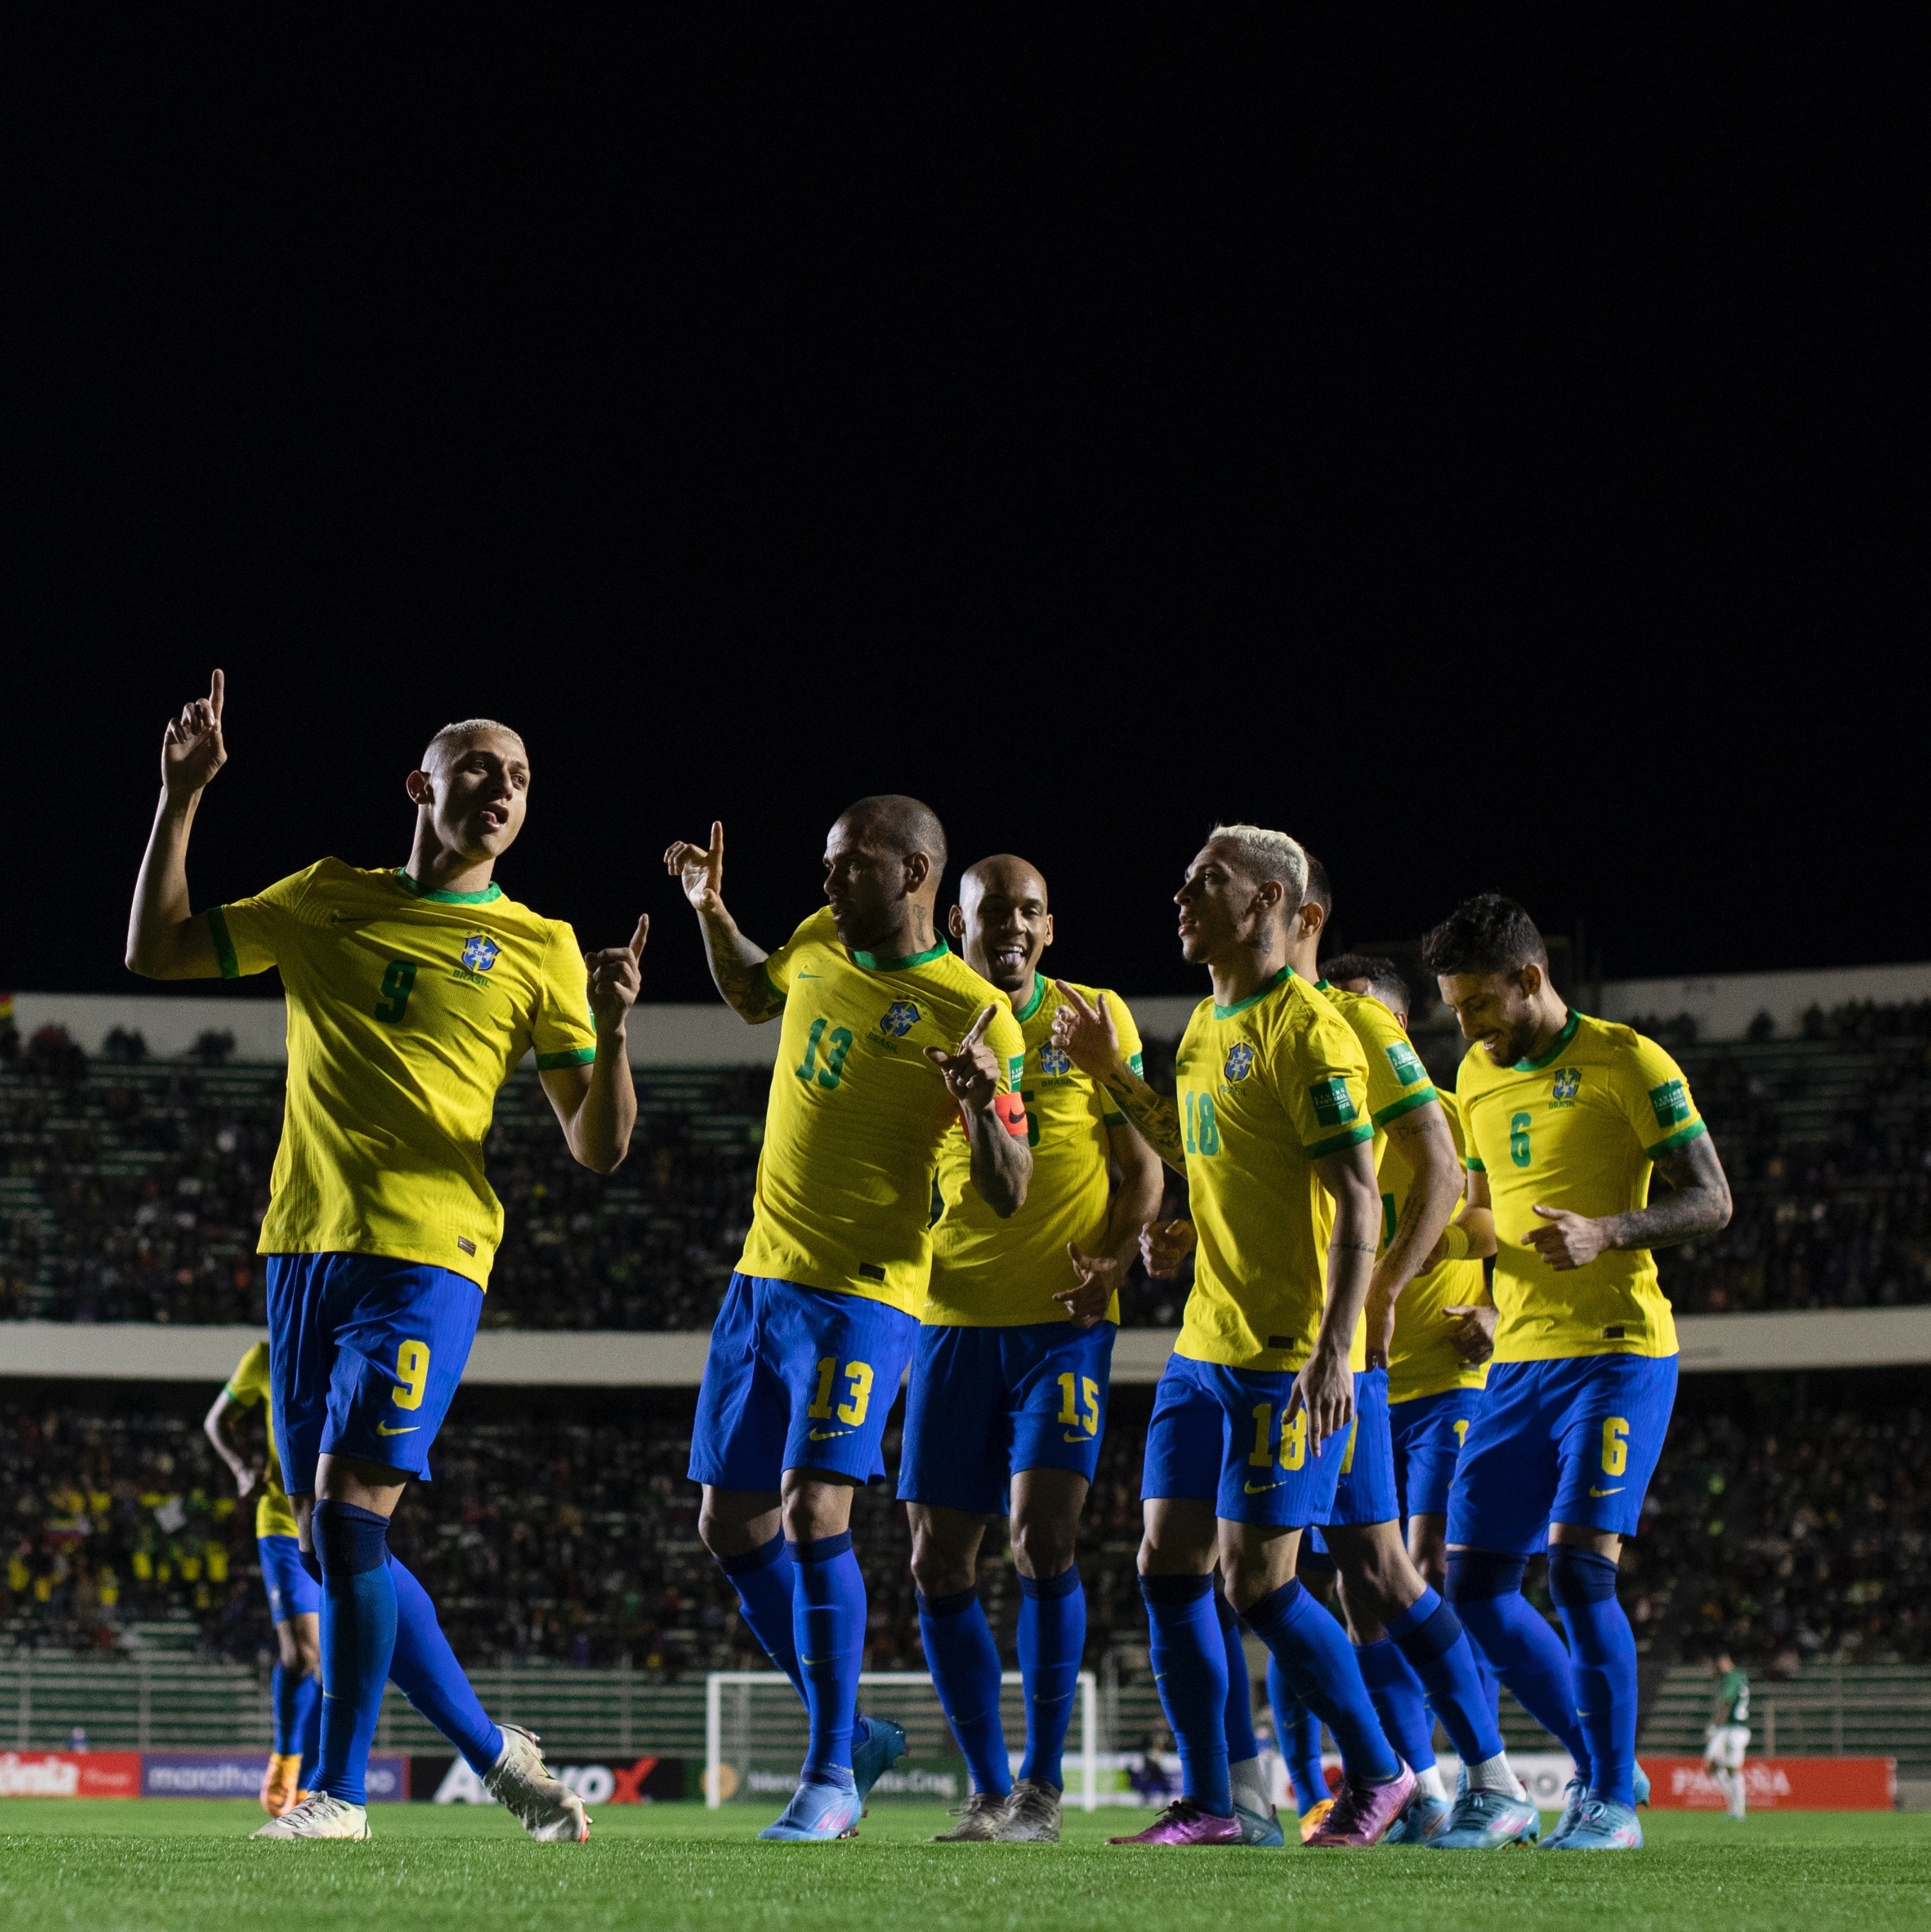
(155, 1865)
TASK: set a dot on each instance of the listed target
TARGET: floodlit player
(1250, 1418)
(890, 1043)
(1729, 1734)
(1566, 1117)
(1009, 1381)
(412, 991)
(295, 1602)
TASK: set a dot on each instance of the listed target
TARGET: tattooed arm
(1087, 1036)
(1698, 1203)
(736, 965)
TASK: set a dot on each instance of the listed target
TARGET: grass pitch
(156, 1865)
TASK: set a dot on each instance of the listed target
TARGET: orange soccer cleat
(279, 1783)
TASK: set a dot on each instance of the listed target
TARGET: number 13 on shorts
(858, 1391)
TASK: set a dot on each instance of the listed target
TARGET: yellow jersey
(1267, 1087)
(406, 1011)
(1423, 1361)
(990, 1274)
(274, 1514)
(1578, 1128)
(858, 1114)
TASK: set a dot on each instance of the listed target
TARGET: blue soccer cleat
(1603, 1826)
(1574, 1796)
(1418, 1824)
(1642, 1785)
(1259, 1827)
(877, 1744)
(1484, 1821)
(817, 1813)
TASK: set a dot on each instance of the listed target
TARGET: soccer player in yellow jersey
(295, 1602)
(891, 1045)
(412, 993)
(1251, 1417)
(1009, 1381)
(1566, 1117)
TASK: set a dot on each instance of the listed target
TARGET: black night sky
(1492, 450)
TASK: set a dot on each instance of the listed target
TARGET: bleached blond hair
(1269, 855)
(446, 739)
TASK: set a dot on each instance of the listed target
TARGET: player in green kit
(1728, 1738)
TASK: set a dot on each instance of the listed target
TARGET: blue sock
(358, 1640)
(1319, 1663)
(1603, 1650)
(764, 1582)
(1298, 1732)
(284, 1690)
(1396, 1694)
(1430, 1636)
(1241, 1743)
(308, 1729)
(425, 1671)
(964, 1662)
(828, 1621)
(1052, 1645)
(1189, 1665)
(1485, 1587)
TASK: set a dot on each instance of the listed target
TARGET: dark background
(1493, 452)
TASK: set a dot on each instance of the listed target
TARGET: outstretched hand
(1569, 1241)
(1086, 1034)
(699, 869)
(971, 1070)
(616, 976)
(192, 751)
(1164, 1245)
(1099, 1278)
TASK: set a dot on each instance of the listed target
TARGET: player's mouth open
(495, 820)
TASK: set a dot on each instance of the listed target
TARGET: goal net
(755, 1737)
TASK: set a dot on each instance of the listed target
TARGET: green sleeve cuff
(1681, 1138)
(1114, 1120)
(771, 986)
(1407, 1104)
(1474, 1165)
(1334, 1143)
(224, 946)
(577, 1057)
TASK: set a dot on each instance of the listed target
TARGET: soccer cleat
(1602, 1826)
(532, 1792)
(1425, 1816)
(1484, 1821)
(979, 1819)
(1183, 1822)
(319, 1816)
(1574, 1796)
(1032, 1815)
(877, 1744)
(1362, 1814)
(1259, 1827)
(817, 1813)
(1314, 1817)
(1642, 1785)
(281, 1783)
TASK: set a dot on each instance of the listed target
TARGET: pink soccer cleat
(1363, 1812)
(1183, 1822)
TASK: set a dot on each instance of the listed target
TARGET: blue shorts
(1217, 1433)
(796, 1378)
(1571, 1441)
(364, 1354)
(1366, 1491)
(292, 1591)
(985, 1403)
(1427, 1432)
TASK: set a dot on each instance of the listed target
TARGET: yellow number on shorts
(1347, 1460)
(1615, 1446)
(858, 1397)
(1089, 1392)
(1069, 1404)
(1461, 1433)
(1294, 1441)
(1263, 1456)
(412, 1367)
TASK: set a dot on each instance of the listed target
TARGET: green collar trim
(1031, 1006)
(1254, 998)
(872, 963)
(1562, 1040)
(1322, 986)
(488, 895)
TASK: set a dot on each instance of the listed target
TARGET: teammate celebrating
(412, 993)
(890, 1044)
(1241, 1456)
(295, 1602)
(1009, 1379)
(1566, 1118)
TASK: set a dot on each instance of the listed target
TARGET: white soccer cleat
(319, 1816)
(519, 1780)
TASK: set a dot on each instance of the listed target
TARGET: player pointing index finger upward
(891, 1047)
(412, 991)
(1010, 1378)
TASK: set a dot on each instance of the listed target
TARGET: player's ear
(918, 869)
(1531, 980)
(421, 788)
(955, 923)
(1048, 940)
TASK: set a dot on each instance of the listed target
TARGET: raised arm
(1421, 1139)
(1088, 1037)
(596, 1105)
(165, 940)
(217, 1425)
(1324, 1386)
(1698, 1203)
(734, 960)
(1001, 1161)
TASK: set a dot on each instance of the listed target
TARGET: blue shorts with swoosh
(986, 1403)
(292, 1591)
(796, 1378)
(364, 1354)
(1219, 1434)
(1575, 1440)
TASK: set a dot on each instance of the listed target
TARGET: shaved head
(1004, 872)
(452, 737)
(1002, 921)
(900, 824)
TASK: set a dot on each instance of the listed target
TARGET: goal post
(754, 1736)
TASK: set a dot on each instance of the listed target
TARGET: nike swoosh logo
(383, 1428)
(1261, 1489)
(808, 976)
(826, 1435)
(1616, 1492)
(1076, 1435)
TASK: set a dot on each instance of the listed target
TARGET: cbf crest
(479, 953)
(1239, 1061)
(1055, 1061)
(900, 1017)
(1566, 1082)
